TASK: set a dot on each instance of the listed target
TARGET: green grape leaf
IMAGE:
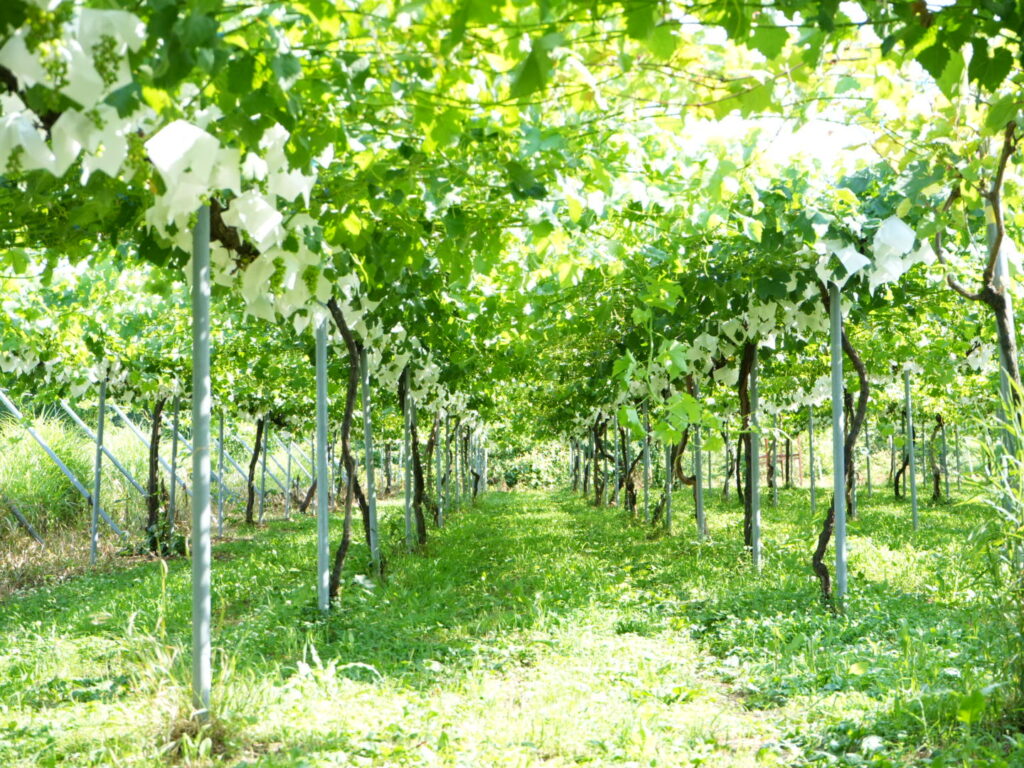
(769, 40)
(989, 71)
(934, 60)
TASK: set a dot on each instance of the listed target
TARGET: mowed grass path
(534, 630)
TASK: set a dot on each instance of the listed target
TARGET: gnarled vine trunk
(746, 444)
(935, 465)
(728, 462)
(153, 533)
(250, 501)
(388, 482)
(347, 458)
(307, 500)
(418, 483)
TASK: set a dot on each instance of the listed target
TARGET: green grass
(534, 630)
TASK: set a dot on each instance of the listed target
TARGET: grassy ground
(535, 630)
(30, 480)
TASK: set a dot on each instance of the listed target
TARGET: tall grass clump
(30, 478)
(999, 547)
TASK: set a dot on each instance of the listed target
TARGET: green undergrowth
(49, 501)
(534, 629)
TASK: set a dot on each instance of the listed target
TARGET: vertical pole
(775, 459)
(755, 469)
(956, 448)
(945, 459)
(572, 458)
(457, 471)
(589, 468)
(97, 481)
(698, 474)
(371, 494)
(446, 469)
(647, 465)
(172, 501)
(220, 472)
(438, 449)
(201, 404)
(668, 489)
(604, 464)
(322, 477)
(867, 451)
(810, 454)
(838, 439)
(616, 461)
(629, 463)
(910, 446)
(288, 482)
(406, 464)
(263, 468)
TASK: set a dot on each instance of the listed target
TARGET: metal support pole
(272, 458)
(460, 478)
(910, 446)
(572, 447)
(263, 470)
(810, 453)
(668, 489)
(371, 494)
(647, 465)
(201, 404)
(775, 459)
(615, 462)
(629, 464)
(407, 464)
(94, 528)
(604, 464)
(956, 448)
(322, 555)
(297, 459)
(439, 479)
(755, 468)
(106, 451)
(288, 482)
(867, 451)
(220, 472)
(698, 474)
(172, 501)
(217, 476)
(23, 521)
(838, 439)
(231, 459)
(945, 460)
(591, 466)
